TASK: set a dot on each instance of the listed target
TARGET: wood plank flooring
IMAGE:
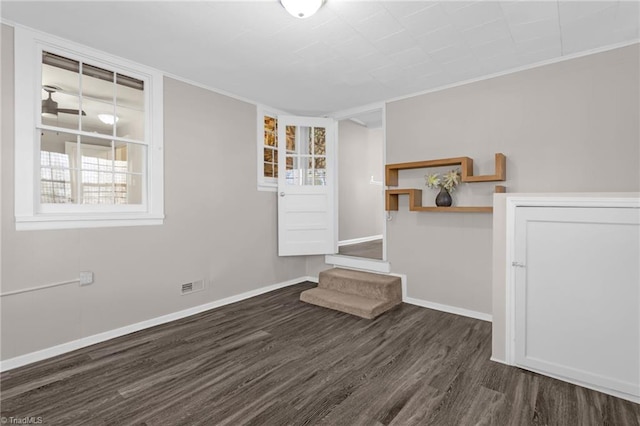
(368, 250)
(273, 360)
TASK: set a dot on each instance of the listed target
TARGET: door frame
(359, 263)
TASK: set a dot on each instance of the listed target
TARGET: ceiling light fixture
(108, 118)
(302, 8)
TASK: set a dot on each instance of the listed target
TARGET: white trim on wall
(383, 266)
(449, 309)
(42, 354)
(359, 240)
(350, 112)
(369, 265)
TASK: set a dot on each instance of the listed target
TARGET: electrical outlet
(86, 277)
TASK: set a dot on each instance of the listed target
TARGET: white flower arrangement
(448, 180)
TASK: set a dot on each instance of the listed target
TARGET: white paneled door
(306, 183)
(577, 291)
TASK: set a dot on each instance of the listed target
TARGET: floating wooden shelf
(466, 175)
(466, 169)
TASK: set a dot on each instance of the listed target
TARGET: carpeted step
(373, 286)
(350, 303)
(364, 294)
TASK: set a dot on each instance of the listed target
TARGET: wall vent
(187, 288)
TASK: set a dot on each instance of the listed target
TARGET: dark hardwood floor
(369, 250)
(273, 360)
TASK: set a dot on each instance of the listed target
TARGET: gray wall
(218, 227)
(360, 203)
(565, 127)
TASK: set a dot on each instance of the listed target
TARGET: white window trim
(265, 184)
(28, 215)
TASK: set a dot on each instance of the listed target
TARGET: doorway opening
(361, 215)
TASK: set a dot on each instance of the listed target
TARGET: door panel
(305, 186)
(577, 288)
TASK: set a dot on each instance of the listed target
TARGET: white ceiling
(349, 54)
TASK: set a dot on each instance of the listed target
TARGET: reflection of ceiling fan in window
(50, 107)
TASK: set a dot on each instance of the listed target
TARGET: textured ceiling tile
(502, 46)
(401, 9)
(590, 30)
(573, 10)
(466, 66)
(439, 39)
(538, 56)
(427, 82)
(540, 43)
(426, 21)
(356, 47)
(546, 28)
(284, 41)
(334, 31)
(354, 11)
(628, 15)
(628, 20)
(450, 53)
(521, 12)
(395, 43)
(426, 67)
(388, 73)
(487, 33)
(318, 51)
(372, 61)
(627, 34)
(500, 63)
(409, 57)
(454, 6)
(476, 14)
(378, 26)
(355, 78)
(266, 28)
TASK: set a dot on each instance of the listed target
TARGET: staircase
(358, 293)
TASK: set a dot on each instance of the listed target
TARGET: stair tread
(354, 304)
(374, 286)
(360, 275)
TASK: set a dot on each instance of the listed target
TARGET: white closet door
(577, 279)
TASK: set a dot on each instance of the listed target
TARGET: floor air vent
(192, 287)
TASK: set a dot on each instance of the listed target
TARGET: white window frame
(29, 213)
(264, 183)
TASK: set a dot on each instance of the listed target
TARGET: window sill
(43, 222)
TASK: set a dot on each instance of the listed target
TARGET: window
(267, 150)
(88, 137)
(306, 156)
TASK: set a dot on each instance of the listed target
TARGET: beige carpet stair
(364, 294)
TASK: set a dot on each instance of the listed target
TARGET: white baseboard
(616, 393)
(359, 240)
(500, 361)
(63, 348)
(450, 309)
(371, 265)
